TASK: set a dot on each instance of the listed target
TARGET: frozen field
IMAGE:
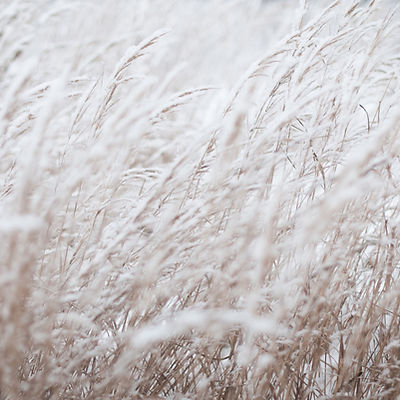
(199, 199)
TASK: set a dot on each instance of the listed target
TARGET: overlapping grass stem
(199, 200)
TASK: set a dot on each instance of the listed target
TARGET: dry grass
(196, 231)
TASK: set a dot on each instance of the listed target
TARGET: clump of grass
(223, 228)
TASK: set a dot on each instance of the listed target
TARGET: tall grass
(199, 200)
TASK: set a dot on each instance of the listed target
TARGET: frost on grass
(199, 200)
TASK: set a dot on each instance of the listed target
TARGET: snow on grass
(199, 200)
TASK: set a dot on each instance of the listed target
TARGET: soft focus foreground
(199, 200)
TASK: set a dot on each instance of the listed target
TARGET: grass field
(199, 200)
